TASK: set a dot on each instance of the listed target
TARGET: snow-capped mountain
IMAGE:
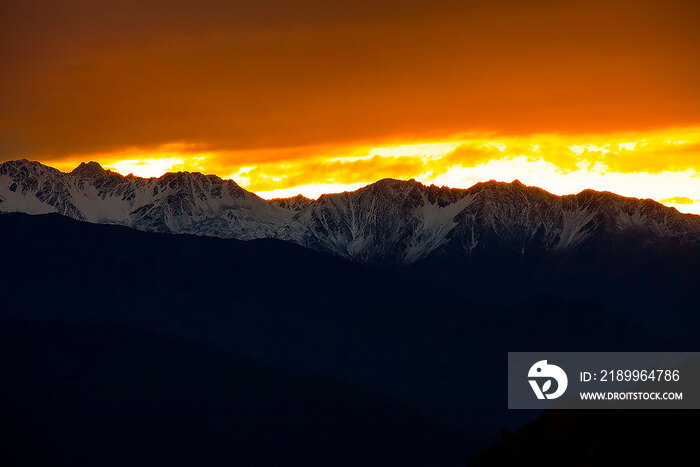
(403, 221)
(181, 202)
(389, 221)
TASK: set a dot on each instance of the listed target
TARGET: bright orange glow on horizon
(662, 165)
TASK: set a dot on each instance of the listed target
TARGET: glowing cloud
(662, 165)
(146, 167)
(416, 150)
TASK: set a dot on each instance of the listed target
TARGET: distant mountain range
(390, 221)
(397, 295)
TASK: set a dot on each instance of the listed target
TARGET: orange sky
(297, 96)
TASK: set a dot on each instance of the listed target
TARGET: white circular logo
(545, 373)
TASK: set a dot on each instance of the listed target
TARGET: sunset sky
(311, 97)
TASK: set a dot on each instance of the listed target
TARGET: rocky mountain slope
(176, 202)
(390, 221)
(294, 203)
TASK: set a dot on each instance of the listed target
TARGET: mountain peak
(391, 186)
(89, 169)
(28, 168)
(394, 182)
(294, 203)
(22, 163)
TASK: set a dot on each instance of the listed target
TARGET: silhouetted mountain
(414, 342)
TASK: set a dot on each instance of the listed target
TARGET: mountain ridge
(389, 221)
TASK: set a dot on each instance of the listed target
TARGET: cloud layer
(86, 77)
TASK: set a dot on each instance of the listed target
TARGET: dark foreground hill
(85, 394)
(418, 345)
